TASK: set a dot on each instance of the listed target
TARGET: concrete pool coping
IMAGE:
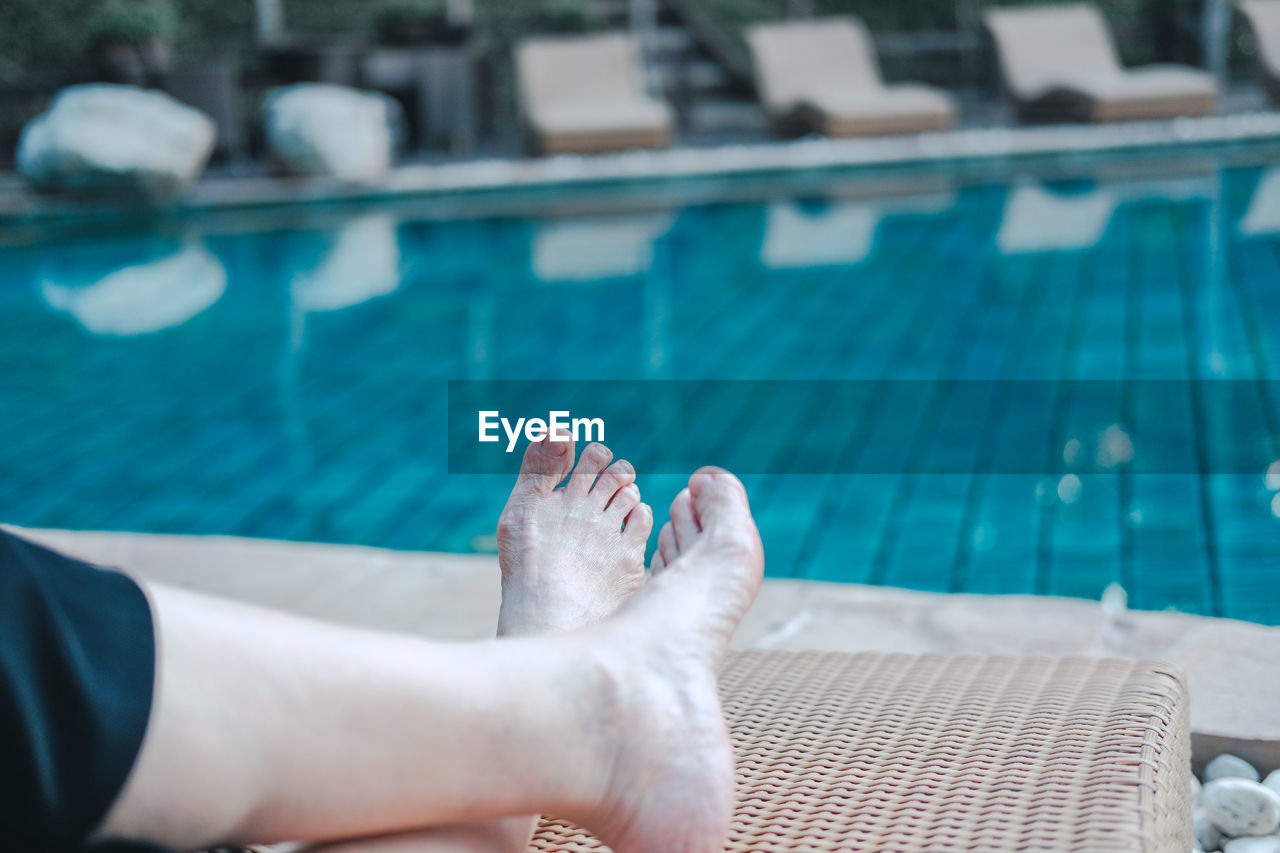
(1231, 665)
(469, 178)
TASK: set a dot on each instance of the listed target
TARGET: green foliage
(500, 23)
(42, 40)
(408, 21)
(40, 36)
(565, 16)
(132, 21)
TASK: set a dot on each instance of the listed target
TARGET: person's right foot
(569, 556)
(671, 783)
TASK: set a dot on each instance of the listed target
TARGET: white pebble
(1228, 766)
(1240, 807)
(1195, 789)
(1272, 781)
(1208, 836)
(1267, 844)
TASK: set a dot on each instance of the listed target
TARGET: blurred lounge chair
(145, 297)
(842, 233)
(1263, 19)
(820, 75)
(1037, 220)
(600, 247)
(1263, 216)
(582, 94)
(1059, 62)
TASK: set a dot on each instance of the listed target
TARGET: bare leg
(567, 562)
(268, 727)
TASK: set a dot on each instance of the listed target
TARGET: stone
(331, 131)
(1208, 836)
(1273, 781)
(1266, 844)
(104, 137)
(1241, 807)
(1196, 787)
(1228, 766)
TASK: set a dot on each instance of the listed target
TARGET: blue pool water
(283, 374)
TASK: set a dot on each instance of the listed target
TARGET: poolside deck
(496, 178)
(1230, 664)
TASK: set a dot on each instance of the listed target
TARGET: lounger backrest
(1042, 46)
(795, 58)
(1264, 20)
(577, 69)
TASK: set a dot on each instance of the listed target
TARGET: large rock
(116, 138)
(322, 129)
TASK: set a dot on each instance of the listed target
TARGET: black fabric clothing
(77, 671)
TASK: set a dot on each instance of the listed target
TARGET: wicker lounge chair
(820, 75)
(933, 753)
(1263, 20)
(583, 94)
(1059, 62)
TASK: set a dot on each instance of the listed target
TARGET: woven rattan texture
(877, 752)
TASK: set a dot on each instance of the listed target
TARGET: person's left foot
(570, 556)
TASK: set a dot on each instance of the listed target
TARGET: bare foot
(570, 556)
(672, 784)
(655, 768)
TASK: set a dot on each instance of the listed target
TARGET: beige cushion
(1064, 54)
(588, 90)
(821, 74)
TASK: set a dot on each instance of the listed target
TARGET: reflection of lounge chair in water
(821, 76)
(363, 263)
(1038, 220)
(144, 297)
(839, 233)
(595, 248)
(1059, 61)
(1263, 215)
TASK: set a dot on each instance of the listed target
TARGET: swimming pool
(284, 373)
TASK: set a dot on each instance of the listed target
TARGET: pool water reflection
(288, 379)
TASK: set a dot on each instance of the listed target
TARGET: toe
(683, 523)
(546, 463)
(720, 502)
(624, 500)
(617, 476)
(657, 564)
(667, 547)
(639, 524)
(717, 494)
(593, 460)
